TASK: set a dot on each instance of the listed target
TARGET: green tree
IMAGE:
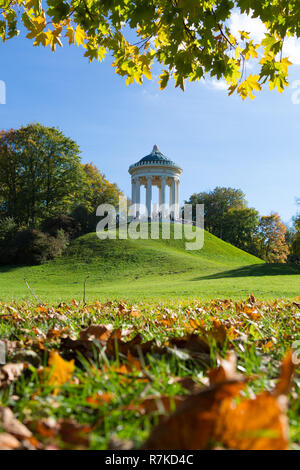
(240, 228)
(271, 241)
(295, 245)
(217, 203)
(40, 173)
(189, 39)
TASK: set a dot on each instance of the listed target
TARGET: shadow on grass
(255, 270)
(9, 268)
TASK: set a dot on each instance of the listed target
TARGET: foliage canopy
(40, 172)
(228, 217)
(189, 39)
(41, 175)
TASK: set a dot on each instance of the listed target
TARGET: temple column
(149, 196)
(137, 197)
(133, 196)
(177, 199)
(172, 198)
(162, 196)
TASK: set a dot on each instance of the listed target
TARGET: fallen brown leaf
(73, 433)
(226, 371)
(12, 425)
(219, 414)
(9, 373)
(8, 441)
(100, 332)
(192, 343)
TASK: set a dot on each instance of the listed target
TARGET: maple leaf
(36, 26)
(244, 35)
(59, 371)
(215, 415)
(247, 86)
(70, 34)
(164, 79)
(80, 35)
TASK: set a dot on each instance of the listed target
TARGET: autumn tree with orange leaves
(97, 190)
(272, 245)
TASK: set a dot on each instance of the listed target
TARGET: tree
(217, 203)
(40, 173)
(97, 190)
(240, 228)
(189, 39)
(295, 245)
(272, 243)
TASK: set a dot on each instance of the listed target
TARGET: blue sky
(216, 139)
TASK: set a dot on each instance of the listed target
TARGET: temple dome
(155, 158)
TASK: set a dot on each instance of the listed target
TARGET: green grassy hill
(150, 269)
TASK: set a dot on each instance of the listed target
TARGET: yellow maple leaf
(79, 35)
(70, 34)
(59, 371)
(247, 86)
(285, 63)
(37, 26)
(147, 73)
(52, 39)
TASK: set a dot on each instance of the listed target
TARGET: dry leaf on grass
(105, 337)
(226, 371)
(192, 343)
(73, 433)
(99, 332)
(221, 415)
(8, 441)
(9, 373)
(116, 344)
(67, 430)
(12, 425)
(58, 371)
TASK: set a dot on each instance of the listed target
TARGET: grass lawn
(151, 270)
(103, 375)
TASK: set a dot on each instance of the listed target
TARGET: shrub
(35, 247)
(52, 225)
(8, 232)
(82, 216)
(29, 247)
(62, 238)
(8, 226)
